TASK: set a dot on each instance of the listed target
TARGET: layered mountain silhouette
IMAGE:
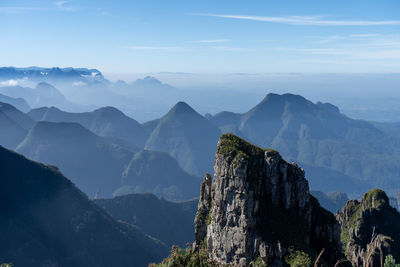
(47, 221)
(106, 122)
(16, 115)
(93, 163)
(50, 74)
(18, 103)
(160, 174)
(43, 94)
(14, 125)
(319, 136)
(170, 222)
(187, 136)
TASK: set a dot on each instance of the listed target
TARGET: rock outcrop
(258, 209)
(370, 229)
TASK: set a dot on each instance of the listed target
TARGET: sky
(207, 36)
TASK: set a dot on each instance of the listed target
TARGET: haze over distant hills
(43, 94)
(316, 135)
(152, 96)
(100, 165)
(18, 103)
(106, 122)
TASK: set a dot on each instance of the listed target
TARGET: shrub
(390, 262)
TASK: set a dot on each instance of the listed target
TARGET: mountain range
(55, 73)
(44, 94)
(317, 136)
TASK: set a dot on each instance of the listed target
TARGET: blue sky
(340, 36)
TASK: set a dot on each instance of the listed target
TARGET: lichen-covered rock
(370, 229)
(260, 209)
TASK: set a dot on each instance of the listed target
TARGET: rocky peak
(258, 207)
(370, 229)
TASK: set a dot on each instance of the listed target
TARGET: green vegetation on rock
(230, 143)
(187, 258)
(390, 262)
(375, 199)
(370, 227)
(298, 259)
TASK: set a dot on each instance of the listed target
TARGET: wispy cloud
(348, 52)
(15, 82)
(153, 48)
(105, 13)
(9, 83)
(57, 6)
(211, 41)
(226, 48)
(305, 20)
(19, 9)
(63, 5)
(365, 40)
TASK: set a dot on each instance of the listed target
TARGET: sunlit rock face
(258, 207)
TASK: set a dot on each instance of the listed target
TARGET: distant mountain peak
(148, 80)
(287, 97)
(108, 109)
(182, 108)
(44, 85)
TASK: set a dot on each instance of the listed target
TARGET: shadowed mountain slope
(160, 174)
(170, 222)
(91, 162)
(47, 221)
(14, 125)
(16, 115)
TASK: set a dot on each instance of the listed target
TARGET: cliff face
(258, 208)
(370, 229)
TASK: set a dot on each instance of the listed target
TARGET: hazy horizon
(203, 37)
